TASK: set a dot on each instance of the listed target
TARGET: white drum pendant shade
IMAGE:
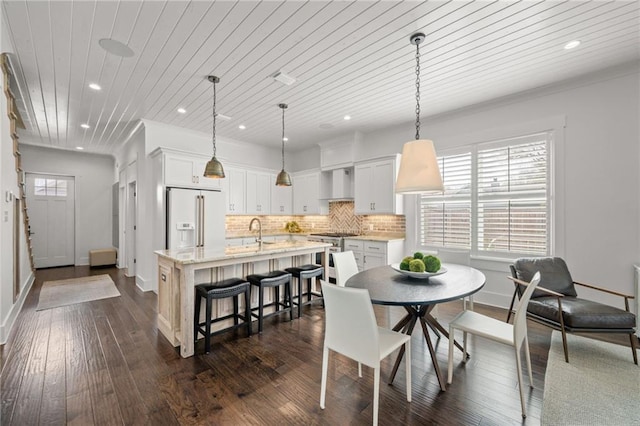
(419, 171)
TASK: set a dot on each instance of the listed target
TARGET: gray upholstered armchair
(555, 302)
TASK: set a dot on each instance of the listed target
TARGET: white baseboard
(143, 284)
(5, 328)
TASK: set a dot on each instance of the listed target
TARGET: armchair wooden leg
(564, 345)
(513, 300)
(564, 333)
(633, 338)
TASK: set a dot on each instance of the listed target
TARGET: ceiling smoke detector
(283, 78)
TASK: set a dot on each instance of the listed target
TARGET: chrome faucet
(255, 219)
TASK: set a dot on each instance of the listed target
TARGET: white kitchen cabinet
(373, 253)
(375, 183)
(357, 247)
(258, 193)
(234, 190)
(187, 172)
(281, 198)
(306, 194)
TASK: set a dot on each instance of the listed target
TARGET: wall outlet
(371, 227)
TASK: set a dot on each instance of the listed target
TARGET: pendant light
(214, 168)
(283, 178)
(419, 171)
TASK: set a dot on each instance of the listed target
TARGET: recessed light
(242, 127)
(285, 139)
(572, 44)
(182, 110)
(85, 126)
(79, 148)
(95, 86)
(347, 117)
(116, 47)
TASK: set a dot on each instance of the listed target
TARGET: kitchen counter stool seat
(273, 279)
(306, 272)
(231, 287)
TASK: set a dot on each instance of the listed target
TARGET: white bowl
(419, 275)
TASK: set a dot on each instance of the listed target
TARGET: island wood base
(179, 272)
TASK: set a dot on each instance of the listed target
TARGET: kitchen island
(180, 270)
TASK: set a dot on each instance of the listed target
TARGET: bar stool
(306, 272)
(231, 287)
(272, 279)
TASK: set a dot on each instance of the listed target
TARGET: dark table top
(388, 287)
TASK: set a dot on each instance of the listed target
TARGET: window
(446, 218)
(50, 187)
(495, 201)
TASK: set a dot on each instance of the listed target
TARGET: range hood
(340, 187)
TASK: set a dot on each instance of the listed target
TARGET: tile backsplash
(341, 218)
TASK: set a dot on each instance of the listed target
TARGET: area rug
(599, 386)
(76, 290)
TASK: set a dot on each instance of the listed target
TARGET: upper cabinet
(234, 190)
(186, 171)
(258, 192)
(306, 194)
(375, 183)
(281, 198)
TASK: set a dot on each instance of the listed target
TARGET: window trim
(554, 125)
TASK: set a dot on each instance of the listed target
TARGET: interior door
(51, 205)
(130, 229)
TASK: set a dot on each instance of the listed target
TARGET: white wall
(227, 150)
(598, 154)
(133, 167)
(9, 184)
(94, 175)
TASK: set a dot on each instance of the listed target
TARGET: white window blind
(496, 199)
(512, 197)
(446, 218)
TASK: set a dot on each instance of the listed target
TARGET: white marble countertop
(377, 237)
(203, 255)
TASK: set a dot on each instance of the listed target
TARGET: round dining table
(418, 296)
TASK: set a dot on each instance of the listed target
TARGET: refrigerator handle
(202, 221)
(197, 221)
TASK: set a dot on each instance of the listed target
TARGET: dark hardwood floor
(104, 362)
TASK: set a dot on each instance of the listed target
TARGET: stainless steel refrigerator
(195, 218)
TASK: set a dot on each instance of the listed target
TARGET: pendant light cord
(214, 118)
(417, 91)
(283, 108)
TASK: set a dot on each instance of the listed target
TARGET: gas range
(334, 238)
(335, 234)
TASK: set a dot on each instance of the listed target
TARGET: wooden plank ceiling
(348, 58)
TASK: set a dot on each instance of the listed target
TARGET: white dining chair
(345, 266)
(514, 335)
(351, 330)
(460, 257)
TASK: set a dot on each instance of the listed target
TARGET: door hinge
(134, 260)
(135, 227)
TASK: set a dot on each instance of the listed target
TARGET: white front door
(51, 204)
